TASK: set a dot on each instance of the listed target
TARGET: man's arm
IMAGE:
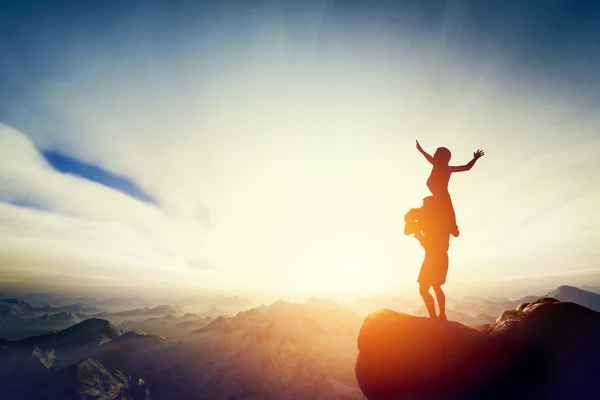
(425, 154)
(462, 168)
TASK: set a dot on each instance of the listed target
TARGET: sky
(241, 147)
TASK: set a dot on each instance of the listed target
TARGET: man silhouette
(427, 225)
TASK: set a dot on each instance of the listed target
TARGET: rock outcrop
(545, 350)
(87, 379)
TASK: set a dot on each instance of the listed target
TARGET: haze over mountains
(57, 300)
(278, 351)
(20, 319)
(283, 350)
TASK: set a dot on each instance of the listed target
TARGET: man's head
(442, 156)
(411, 222)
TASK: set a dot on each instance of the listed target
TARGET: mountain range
(146, 311)
(277, 351)
(172, 326)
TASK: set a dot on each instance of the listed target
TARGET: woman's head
(442, 156)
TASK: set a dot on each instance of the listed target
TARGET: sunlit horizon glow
(278, 148)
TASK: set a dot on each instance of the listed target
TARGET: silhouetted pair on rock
(432, 225)
(546, 350)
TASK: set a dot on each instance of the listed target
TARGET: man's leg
(441, 299)
(428, 299)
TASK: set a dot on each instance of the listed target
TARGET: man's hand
(419, 147)
(477, 155)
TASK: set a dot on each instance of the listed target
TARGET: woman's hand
(477, 155)
(419, 147)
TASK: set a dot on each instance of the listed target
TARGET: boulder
(544, 350)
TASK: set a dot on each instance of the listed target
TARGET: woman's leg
(451, 215)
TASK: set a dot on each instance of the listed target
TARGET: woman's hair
(442, 154)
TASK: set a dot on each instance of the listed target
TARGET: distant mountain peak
(13, 301)
(64, 314)
(567, 288)
(328, 302)
(93, 323)
(573, 294)
(96, 329)
(14, 306)
(281, 302)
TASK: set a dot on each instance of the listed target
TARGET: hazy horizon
(267, 148)
(510, 289)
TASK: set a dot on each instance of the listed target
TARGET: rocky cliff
(545, 350)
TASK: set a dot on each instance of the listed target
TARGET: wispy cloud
(72, 218)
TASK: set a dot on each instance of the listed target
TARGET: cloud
(71, 217)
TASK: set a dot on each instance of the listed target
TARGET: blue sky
(70, 165)
(265, 146)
